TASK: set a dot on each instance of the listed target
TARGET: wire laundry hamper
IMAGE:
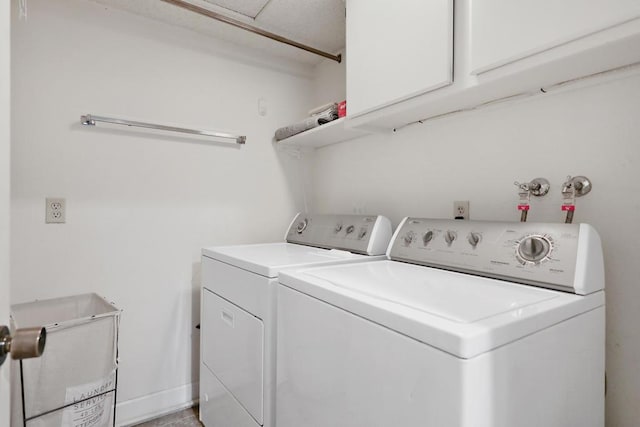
(74, 383)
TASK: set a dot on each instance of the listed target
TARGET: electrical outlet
(461, 209)
(55, 212)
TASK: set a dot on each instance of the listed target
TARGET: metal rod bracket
(87, 120)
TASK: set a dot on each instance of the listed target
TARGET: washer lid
(269, 258)
(461, 314)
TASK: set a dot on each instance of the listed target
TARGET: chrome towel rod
(222, 18)
(90, 120)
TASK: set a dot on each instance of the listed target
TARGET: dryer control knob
(408, 238)
(534, 248)
(474, 239)
(302, 225)
(450, 236)
(428, 236)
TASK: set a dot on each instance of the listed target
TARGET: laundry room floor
(186, 418)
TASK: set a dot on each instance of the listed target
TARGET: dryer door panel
(233, 342)
(218, 408)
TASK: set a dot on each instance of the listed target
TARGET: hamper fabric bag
(74, 383)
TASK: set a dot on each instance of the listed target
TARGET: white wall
(329, 81)
(594, 131)
(5, 58)
(141, 206)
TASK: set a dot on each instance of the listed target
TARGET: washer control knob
(350, 229)
(534, 248)
(428, 236)
(408, 238)
(474, 238)
(302, 225)
(450, 236)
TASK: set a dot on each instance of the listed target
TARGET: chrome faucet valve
(523, 203)
(537, 187)
(573, 187)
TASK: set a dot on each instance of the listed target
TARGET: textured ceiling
(317, 23)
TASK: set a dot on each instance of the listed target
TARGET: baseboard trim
(155, 405)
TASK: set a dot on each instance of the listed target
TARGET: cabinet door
(396, 50)
(504, 31)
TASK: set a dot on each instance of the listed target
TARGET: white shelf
(329, 133)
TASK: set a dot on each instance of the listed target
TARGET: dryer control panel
(556, 256)
(365, 234)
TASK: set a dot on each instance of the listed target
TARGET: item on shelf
(342, 109)
(316, 120)
(321, 108)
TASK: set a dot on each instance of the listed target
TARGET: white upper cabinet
(505, 31)
(396, 50)
(400, 55)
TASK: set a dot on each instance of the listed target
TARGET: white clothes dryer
(238, 324)
(469, 324)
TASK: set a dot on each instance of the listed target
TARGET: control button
(427, 237)
(474, 238)
(362, 232)
(450, 236)
(302, 225)
(350, 229)
(534, 248)
(409, 237)
(337, 228)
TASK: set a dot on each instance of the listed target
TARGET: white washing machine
(238, 325)
(469, 324)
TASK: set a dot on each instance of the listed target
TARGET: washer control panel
(540, 254)
(347, 232)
